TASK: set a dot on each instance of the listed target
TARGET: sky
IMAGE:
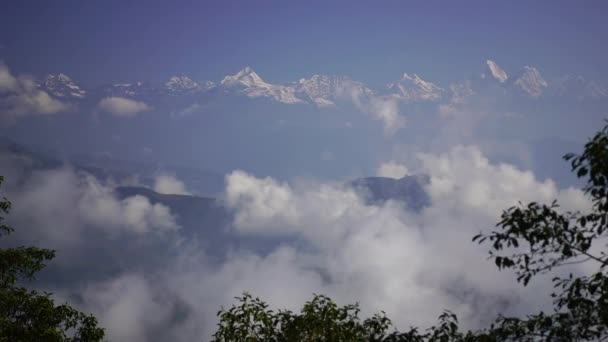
(113, 41)
(494, 94)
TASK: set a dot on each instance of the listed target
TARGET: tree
(549, 239)
(539, 239)
(27, 315)
(321, 319)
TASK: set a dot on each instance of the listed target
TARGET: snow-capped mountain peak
(63, 78)
(184, 84)
(531, 82)
(324, 90)
(495, 71)
(413, 88)
(249, 83)
(247, 77)
(579, 87)
(62, 86)
(181, 82)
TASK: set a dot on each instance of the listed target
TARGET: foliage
(546, 239)
(27, 315)
(539, 237)
(321, 319)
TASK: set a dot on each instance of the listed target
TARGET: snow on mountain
(207, 85)
(62, 86)
(324, 90)
(330, 90)
(249, 83)
(128, 90)
(494, 71)
(184, 84)
(579, 87)
(413, 88)
(461, 92)
(180, 83)
(531, 82)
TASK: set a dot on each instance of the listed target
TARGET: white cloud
(121, 106)
(129, 307)
(386, 109)
(167, 184)
(383, 108)
(7, 81)
(19, 96)
(189, 110)
(258, 199)
(74, 203)
(392, 169)
(411, 265)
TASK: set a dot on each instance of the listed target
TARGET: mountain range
(194, 210)
(327, 90)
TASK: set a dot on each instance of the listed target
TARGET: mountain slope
(412, 88)
(249, 83)
(408, 190)
(63, 87)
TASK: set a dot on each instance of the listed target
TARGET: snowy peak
(206, 85)
(579, 87)
(333, 91)
(494, 71)
(62, 86)
(185, 85)
(531, 82)
(324, 90)
(246, 77)
(129, 90)
(63, 78)
(413, 88)
(249, 83)
(181, 83)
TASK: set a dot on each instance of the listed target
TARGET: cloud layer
(392, 169)
(168, 184)
(76, 204)
(411, 265)
(20, 96)
(120, 106)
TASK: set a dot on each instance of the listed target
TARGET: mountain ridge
(326, 90)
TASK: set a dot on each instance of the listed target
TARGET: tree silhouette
(27, 315)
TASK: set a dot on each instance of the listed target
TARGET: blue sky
(106, 41)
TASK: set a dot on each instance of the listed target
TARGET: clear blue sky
(375, 41)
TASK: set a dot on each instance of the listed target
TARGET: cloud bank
(120, 106)
(167, 184)
(410, 264)
(75, 204)
(392, 169)
(20, 96)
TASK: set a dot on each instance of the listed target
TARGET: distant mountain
(412, 88)
(579, 88)
(328, 91)
(198, 216)
(202, 182)
(209, 221)
(250, 84)
(408, 190)
(530, 82)
(493, 71)
(126, 90)
(62, 86)
(179, 85)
